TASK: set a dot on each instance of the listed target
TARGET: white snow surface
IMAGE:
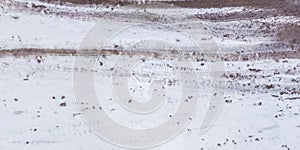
(31, 119)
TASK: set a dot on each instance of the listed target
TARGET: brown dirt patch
(290, 34)
(196, 56)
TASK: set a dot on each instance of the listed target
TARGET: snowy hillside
(85, 77)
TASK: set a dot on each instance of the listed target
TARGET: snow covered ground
(39, 108)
